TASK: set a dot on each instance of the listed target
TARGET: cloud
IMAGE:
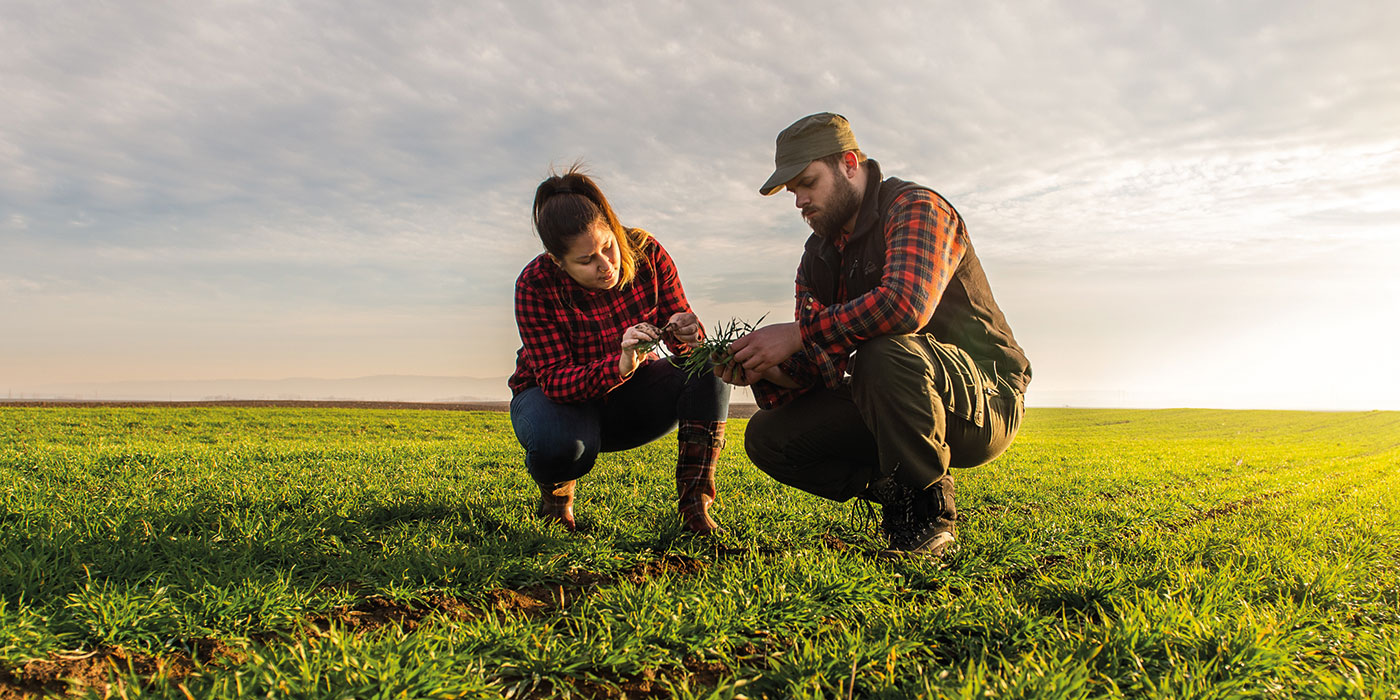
(381, 158)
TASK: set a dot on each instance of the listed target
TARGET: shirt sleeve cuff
(611, 376)
(822, 336)
(769, 395)
(799, 369)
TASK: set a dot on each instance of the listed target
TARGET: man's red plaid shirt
(924, 242)
(571, 337)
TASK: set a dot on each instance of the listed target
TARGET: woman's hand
(632, 338)
(685, 328)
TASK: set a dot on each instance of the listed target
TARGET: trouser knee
(831, 459)
(886, 361)
(704, 397)
(556, 458)
(760, 445)
(893, 381)
(769, 448)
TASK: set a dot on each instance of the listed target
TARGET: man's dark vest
(967, 316)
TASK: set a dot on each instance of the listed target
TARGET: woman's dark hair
(569, 204)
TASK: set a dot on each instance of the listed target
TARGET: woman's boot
(557, 503)
(700, 443)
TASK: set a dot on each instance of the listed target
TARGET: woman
(588, 310)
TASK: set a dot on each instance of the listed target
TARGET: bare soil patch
(1223, 510)
(375, 612)
(60, 674)
(543, 598)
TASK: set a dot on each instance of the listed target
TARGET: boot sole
(935, 546)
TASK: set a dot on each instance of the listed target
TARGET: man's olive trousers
(913, 408)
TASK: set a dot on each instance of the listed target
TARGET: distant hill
(384, 387)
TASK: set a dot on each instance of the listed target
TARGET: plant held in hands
(658, 345)
(712, 351)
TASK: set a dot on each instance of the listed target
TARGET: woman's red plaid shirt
(571, 337)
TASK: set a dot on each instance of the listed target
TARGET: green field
(328, 553)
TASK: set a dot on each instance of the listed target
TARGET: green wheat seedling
(712, 351)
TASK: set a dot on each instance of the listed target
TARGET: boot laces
(863, 517)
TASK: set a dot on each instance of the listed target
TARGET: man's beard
(845, 202)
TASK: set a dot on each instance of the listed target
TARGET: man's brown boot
(557, 503)
(699, 445)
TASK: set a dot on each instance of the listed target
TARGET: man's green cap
(808, 139)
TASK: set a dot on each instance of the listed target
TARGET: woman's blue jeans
(563, 440)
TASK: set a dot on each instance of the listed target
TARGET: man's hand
(685, 328)
(764, 348)
(735, 374)
(732, 373)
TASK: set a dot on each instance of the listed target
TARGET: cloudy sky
(1178, 204)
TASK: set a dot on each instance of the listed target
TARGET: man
(899, 365)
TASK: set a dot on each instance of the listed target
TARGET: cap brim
(782, 176)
